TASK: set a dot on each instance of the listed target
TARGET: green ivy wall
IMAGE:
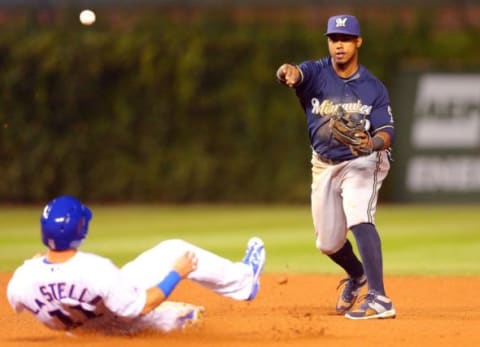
(177, 108)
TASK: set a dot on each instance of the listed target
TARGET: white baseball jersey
(89, 291)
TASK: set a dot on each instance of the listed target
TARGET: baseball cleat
(187, 315)
(255, 257)
(194, 317)
(373, 306)
(349, 294)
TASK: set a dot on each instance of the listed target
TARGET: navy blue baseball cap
(343, 24)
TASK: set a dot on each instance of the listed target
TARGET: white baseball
(87, 17)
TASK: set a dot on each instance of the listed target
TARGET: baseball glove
(350, 129)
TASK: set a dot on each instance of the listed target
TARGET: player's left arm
(380, 141)
(377, 139)
(382, 128)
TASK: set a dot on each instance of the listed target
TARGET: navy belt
(328, 161)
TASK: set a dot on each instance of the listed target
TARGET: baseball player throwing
(68, 289)
(350, 127)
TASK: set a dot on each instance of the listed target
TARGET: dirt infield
(293, 310)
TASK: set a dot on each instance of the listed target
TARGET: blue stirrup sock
(346, 258)
(370, 249)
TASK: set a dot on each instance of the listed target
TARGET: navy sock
(370, 248)
(348, 260)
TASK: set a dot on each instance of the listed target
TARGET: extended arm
(156, 295)
(289, 74)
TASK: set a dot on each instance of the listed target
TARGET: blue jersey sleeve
(311, 73)
(310, 70)
(381, 117)
(307, 69)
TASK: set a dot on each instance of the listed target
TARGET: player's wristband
(169, 283)
(378, 143)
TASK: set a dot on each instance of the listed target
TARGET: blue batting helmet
(64, 223)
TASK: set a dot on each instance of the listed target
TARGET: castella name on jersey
(56, 292)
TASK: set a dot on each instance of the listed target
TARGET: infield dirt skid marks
(292, 310)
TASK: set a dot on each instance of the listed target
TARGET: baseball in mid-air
(87, 17)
